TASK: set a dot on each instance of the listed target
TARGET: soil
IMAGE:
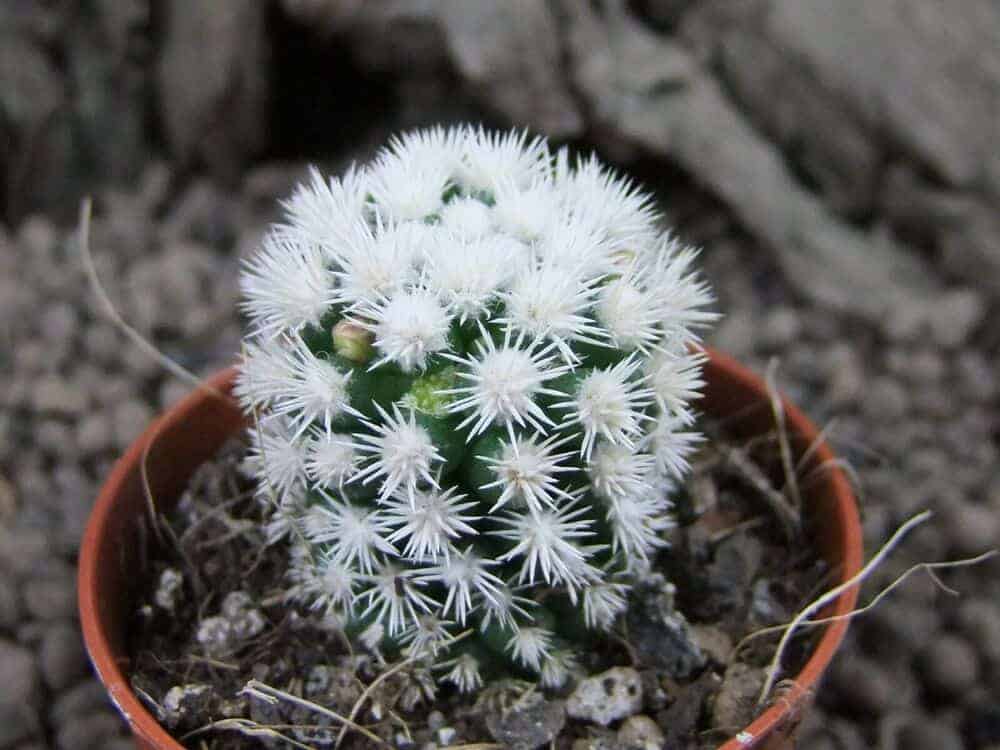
(734, 568)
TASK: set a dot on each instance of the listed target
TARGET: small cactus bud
(352, 342)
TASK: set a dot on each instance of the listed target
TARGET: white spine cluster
(471, 366)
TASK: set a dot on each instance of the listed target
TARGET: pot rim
(111, 670)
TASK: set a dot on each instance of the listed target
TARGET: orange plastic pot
(190, 433)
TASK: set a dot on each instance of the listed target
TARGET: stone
(94, 434)
(650, 90)
(183, 704)
(215, 635)
(606, 697)
(736, 701)
(979, 620)
(780, 328)
(864, 685)
(659, 633)
(61, 656)
(54, 395)
(82, 699)
(640, 733)
(922, 733)
(971, 528)
(213, 92)
(51, 597)
(956, 316)
(90, 732)
(245, 619)
(949, 665)
(32, 94)
(21, 695)
(168, 589)
(129, 419)
(531, 722)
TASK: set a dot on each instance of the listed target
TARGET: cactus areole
(470, 369)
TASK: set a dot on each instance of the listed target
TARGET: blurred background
(837, 163)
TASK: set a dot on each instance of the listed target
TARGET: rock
(184, 704)
(658, 632)
(606, 697)
(949, 665)
(713, 641)
(53, 395)
(640, 733)
(922, 733)
(36, 141)
(529, 723)
(52, 597)
(129, 419)
(736, 701)
(971, 529)
(81, 700)
(597, 738)
(168, 589)
(681, 720)
(245, 619)
(94, 434)
(956, 316)
(780, 328)
(927, 87)
(21, 695)
(212, 80)
(979, 620)
(90, 732)
(215, 635)
(885, 400)
(865, 686)
(652, 92)
(62, 656)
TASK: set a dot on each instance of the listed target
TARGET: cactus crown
(471, 367)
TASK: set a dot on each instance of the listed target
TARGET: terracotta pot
(194, 429)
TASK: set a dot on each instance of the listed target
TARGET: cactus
(471, 368)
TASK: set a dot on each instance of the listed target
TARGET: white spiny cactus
(471, 366)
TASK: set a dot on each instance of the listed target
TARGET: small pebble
(80, 700)
(606, 697)
(21, 695)
(956, 315)
(864, 685)
(640, 733)
(949, 665)
(532, 722)
(971, 529)
(90, 732)
(51, 598)
(182, 703)
(168, 589)
(446, 736)
(53, 395)
(979, 620)
(927, 734)
(885, 400)
(62, 656)
(94, 434)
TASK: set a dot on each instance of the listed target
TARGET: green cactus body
(472, 368)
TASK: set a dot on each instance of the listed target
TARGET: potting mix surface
(213, 638)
